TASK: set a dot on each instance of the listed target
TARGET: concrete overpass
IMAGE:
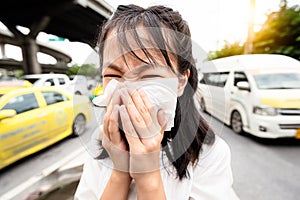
(76, 20)
(11, 64)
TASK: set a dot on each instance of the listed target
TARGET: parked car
(78, 84)
(32, 118)
(258, 94)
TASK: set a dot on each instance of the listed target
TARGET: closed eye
(112, 76)
(150, 76)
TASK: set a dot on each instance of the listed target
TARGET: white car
(78, 84)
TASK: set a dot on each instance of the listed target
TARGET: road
(262, 169)
(22, 170)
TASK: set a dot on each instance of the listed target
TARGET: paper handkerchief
(162, 93)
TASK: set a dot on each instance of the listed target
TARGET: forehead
(131, 47)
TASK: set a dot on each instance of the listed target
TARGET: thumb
(161, 119)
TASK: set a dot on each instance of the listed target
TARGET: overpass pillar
(2, 49)
(29, 52)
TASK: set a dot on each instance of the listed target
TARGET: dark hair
(184, 142)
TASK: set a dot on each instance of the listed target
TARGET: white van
(258, 94)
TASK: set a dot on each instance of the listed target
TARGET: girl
(145, 153)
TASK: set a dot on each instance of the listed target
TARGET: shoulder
(213, 172)
(214, 159)
(219, 150)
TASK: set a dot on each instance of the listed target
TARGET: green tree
(280, 34)
(84, 69)
(229, 49)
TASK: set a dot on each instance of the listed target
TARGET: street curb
(25, 186)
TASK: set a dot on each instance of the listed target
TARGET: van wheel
(79, 125)
(236, 122)
(78, 93)
(202, 105)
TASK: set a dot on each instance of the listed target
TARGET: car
(58, 80)
(33, 118)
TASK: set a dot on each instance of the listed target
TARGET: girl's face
(133, 69)
(128, 67)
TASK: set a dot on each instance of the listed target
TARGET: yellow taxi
(32, 118)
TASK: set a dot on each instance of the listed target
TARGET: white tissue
(162, 92)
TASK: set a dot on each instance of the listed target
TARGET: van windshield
(278, 81)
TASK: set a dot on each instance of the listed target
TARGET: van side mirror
(7, 114)
(243, 85)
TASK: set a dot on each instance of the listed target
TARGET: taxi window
(53, 97)
(22, 103)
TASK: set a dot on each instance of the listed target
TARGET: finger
(113, 127)
(142, 109)
(135, 117)
(106, 125)
(128, 128)
(149, 105)
(161, 120)
(115, 100)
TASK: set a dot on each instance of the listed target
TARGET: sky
(211, 22)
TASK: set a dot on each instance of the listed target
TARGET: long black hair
(184, 142)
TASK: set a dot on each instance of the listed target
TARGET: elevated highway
(76, 20)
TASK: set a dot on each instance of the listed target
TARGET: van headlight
(265, 111)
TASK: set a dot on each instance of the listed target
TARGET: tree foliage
(280, 34)
(229, 49)
(85, 69)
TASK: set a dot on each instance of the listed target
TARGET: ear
(182, 81)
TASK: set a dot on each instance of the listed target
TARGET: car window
(61, 81)
(216, 79)
(54, 97)
(22, 103)
(239, 76)
(50, 80)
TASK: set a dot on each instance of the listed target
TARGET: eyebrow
(138, 69)
(114, 67)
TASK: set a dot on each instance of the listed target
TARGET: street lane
(262, 169)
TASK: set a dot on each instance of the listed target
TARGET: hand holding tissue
(162, 92)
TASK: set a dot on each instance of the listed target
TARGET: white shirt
(210, 179)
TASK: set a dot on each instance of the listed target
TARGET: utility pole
(249, 43)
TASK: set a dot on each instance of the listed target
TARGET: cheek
(105, 82)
